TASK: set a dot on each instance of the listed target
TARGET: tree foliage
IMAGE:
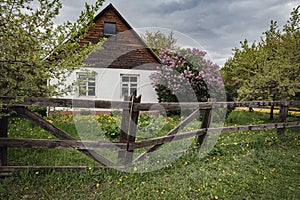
(157, 41)
(34, 49)
(269, 69)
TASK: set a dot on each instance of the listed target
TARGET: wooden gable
(123, 50)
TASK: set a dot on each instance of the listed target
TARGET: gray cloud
(169, 7)
(218, 25)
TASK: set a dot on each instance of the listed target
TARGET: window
(86, 84)
(129, 84)
(110, 28)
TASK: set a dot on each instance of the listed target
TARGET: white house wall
(108, 84)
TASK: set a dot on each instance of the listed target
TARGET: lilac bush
(186, 76)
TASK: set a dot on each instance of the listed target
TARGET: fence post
(205, 123)
(124, 130)
(284, 109)
(3, 134)
(133, 124)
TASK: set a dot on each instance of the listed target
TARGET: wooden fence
(131, 108)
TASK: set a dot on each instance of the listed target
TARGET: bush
(109, 126)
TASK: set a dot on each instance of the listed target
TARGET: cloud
(217, 25)
(173, 6)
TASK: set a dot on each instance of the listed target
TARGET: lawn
(247, 165)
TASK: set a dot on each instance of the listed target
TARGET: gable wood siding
(125, 50)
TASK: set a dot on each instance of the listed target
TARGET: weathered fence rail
(83, 103)
(92, 145)
(131, 108)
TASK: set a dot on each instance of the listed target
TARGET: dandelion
(216, 197)
(37, 172)
(98, 185)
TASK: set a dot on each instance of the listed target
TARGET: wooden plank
(172, 132)
(253, 104)
(259, 127)
(61, 144)
(133, 124)
(47, 144)
(172, 106)
(161, 140)
(3, 134)
(108, 146)
(124, 130)
(84, 103)
(205, 125)
(68, 103)
(233, 129)
(58, 133)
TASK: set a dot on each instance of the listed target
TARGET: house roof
(110, 6)
(137, 48)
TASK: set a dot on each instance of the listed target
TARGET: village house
(120, 68)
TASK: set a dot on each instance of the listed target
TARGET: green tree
(239, 68)
(158, 41)
(34, 49)
(268, 70)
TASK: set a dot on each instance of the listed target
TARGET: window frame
(129, 85)
(108, 33)
(87, 82)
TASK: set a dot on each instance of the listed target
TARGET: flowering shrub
(109, 125)
(186, 72)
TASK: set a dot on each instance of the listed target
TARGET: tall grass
(247, 165)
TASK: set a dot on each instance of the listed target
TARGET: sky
(216, 26)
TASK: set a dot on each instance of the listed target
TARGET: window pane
(109, 28)
(124, 91)
(91, 78)
(92, 84)
(91, 92)
(125, 79)
(133, 79)
(133, 91)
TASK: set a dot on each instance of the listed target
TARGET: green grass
(247, 165)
